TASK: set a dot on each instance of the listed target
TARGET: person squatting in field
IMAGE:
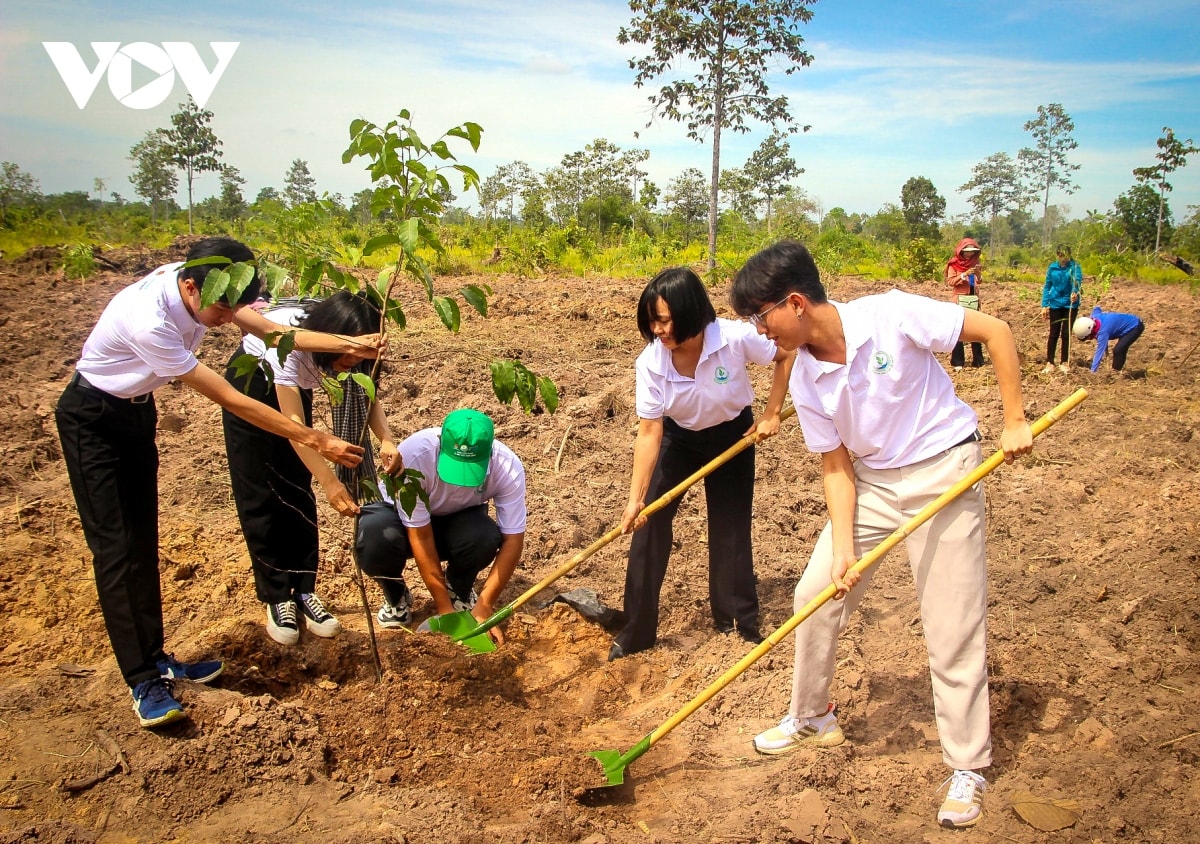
(146, 336)
(866, 383)
(272, 477)
(693, 402)
(963, 275)
(464, 470)
(1106, 327)
(1060, 305)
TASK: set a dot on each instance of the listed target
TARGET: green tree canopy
(922, 207)
(299, 186)
(996, 188)
(154, 178)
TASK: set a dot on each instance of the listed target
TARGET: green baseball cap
(466, 447)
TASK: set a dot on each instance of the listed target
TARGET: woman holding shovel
(1060, 305)
(963, 275)
(866, 382)
(693, 402)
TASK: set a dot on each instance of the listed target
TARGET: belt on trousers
(77, 380)
(973, 438)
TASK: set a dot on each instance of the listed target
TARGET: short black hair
(771, 274)
(342, 313)
(687, 300)
(224, 247)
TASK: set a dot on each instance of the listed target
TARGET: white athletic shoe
(793, 732)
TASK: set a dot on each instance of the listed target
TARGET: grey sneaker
(398, 614)
(318, 620)
(281, 623)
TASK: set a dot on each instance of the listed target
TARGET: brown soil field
(1094, 631)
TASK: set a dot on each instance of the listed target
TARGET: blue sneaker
(154, 703)
(169, 668)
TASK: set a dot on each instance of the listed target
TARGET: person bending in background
(272, 477)
(963, 275)
(866, 382)
(1105, 327)
(1060, 305)
(693, 402)
(146, 336)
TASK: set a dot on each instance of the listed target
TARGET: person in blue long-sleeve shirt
(1060, 304)
(1103, 327)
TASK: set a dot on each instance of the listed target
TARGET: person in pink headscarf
(963, 275)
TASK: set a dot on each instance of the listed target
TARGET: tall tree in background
(731, 42)
(154, 178)
(997, 187)
(1045, 166)
(195, 147)
(772, 167)
(922, 207)
(299, 186)
(1172, 154)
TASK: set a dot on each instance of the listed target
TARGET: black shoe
(723, 628)
(615, 652)
(752, 636)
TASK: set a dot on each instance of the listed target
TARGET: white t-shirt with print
(504, 484)
(144, 338)
(297, 369)
(721, 388)
(892, 403)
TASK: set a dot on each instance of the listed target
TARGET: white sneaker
(793, 732)
(318, 620)
(964, 801)
(281, 623)
(1047, 369)
(1064, 368)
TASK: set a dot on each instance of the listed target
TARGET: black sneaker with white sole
(281, 622)
(318, 620)
(397, 614)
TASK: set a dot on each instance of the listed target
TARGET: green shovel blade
(615, 762)
(459, 626)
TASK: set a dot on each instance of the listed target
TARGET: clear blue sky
(896, 89)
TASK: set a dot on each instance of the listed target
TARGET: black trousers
(112, 462)
(1061, 320)
(1123, 344)
(729, 496)
(467, 541)
(272, 489)
(958, 356)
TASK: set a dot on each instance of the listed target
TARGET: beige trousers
(948, 559)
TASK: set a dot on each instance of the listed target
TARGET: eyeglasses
(760, 319)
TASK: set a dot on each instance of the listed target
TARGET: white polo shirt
(721, 388)
(297, 369)
(504, 484)
(892, 403)
(143, 339)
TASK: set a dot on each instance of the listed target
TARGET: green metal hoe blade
(615, 762)
(462, 628)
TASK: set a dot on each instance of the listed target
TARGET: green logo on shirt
(722, 375)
